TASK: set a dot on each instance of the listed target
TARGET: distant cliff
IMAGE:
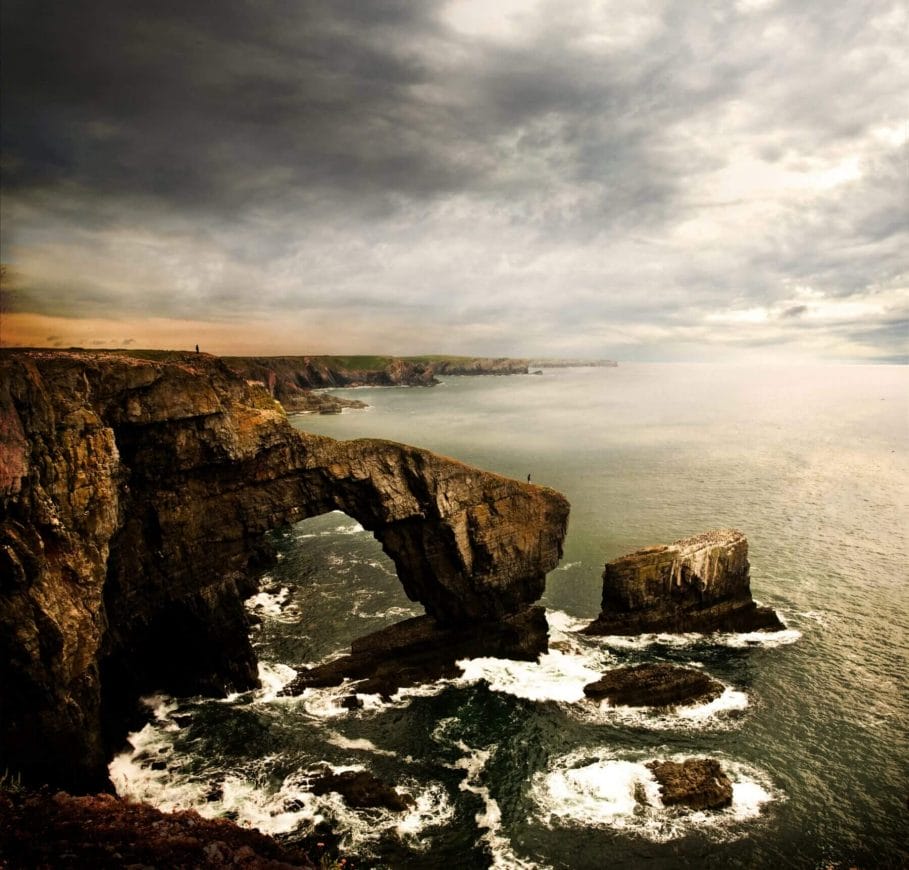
(559, 363)
(135, 494)
(291, 379)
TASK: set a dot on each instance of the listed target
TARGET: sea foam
(251, 799)
(602, 788)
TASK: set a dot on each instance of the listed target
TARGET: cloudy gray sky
(656, 180)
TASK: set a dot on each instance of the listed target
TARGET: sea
(509, 765)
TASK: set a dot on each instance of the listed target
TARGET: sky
(658, 181)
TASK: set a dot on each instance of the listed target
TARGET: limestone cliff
(695, 584)
(135, 494)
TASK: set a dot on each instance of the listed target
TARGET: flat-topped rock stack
(697, 584)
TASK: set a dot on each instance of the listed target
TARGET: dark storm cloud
(650, 170)
(223, 105)
(190, 103)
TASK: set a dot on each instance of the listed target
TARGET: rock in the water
(359, 788)
(699, 783)
(654, 685)
(697, 584)
(419, 650)
(135, 494)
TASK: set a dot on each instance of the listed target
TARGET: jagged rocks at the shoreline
(654, 685)
(697, 783)
(360, 789)
(697, 584)
(419, 650)
(292, 379)
(135, 495)
(310, 402)
(44, 829)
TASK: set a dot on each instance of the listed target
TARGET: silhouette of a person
(528, 478)
(197, 348)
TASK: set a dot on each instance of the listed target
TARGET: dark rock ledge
(419, 650)
(654, 685)
(135, 494)
(361, 789)
(698, 584)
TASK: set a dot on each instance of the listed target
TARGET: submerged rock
(654, 685)
(697, 584)
(359, 788)
(698, 783)
(136, 491)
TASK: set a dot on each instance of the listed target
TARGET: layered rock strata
(135, 495)
(654, 685)
(697, 584)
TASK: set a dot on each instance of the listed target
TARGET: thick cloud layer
(663, 180)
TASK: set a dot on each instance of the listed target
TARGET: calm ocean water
(509, 766)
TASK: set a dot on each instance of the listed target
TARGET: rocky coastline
(568, 363)
(136, 492)
(293, 380)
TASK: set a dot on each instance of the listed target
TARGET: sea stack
(699, 584)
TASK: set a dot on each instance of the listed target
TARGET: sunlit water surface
(509, 766)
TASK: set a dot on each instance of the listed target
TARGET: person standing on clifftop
(528, 478)
(197, 348)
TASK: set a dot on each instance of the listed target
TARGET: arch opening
(331, 583)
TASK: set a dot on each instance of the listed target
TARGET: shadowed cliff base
(136, 495)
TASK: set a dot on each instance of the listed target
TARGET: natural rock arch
(136, 494)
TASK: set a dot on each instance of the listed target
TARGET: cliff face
(480, 366)
(695, 584)
(134, 499)
(290, 379)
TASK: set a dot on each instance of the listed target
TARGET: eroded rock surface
(135, 494)
(654, 685)
(419, 650)
(697, 584)
(698, 783)
(40, 829)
